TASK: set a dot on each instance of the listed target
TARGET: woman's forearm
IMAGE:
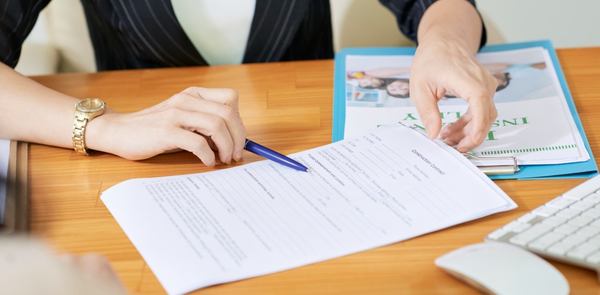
(449, 36)
(454, 22)
(188, 120)
(32, 112)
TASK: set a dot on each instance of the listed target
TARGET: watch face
(90, 105)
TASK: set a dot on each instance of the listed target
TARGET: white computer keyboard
(566, 228)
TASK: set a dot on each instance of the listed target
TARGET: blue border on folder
(569, 170)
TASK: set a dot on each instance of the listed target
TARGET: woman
(141, 34)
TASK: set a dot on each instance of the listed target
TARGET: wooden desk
(286, 106)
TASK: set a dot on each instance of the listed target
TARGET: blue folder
(570, 170)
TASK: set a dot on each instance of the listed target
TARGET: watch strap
(79, 125)
(85, 111)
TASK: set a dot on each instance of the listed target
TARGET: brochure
(537, 122)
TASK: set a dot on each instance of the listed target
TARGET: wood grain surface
(286, 106)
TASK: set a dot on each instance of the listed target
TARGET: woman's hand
(449, 35)
(197, 120)
(441, 67)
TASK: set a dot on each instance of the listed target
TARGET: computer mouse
(500, 268)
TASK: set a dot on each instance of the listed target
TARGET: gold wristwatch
(85, 111)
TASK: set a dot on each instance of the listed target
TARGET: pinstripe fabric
(290, 30)
(138, 34)
(409, 13)
(145, 33)
(17, 18)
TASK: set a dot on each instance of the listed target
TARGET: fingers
(211, 126)
(480, 115)
(193, 143)
(453, 133)
(224, 96)
(181, 122)
(227, 113)
(426, 103)
(472, 128)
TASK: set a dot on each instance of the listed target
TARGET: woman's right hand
(192, 120)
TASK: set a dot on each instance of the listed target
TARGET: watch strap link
(79, 125)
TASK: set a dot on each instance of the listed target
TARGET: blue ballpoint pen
(272, 155)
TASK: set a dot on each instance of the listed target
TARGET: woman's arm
(449, 36)
(188, 120)
(32, 112)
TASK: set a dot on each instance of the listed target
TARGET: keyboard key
(588, 231)
(582, 251)
(545, 211)
(559, 249)
(574, 197)
(568, 212)
(566, 229)
(497, 234)
(583, 205)
(595, 223)
(529, 235)
(517, 227)
(594, 258)
(527, 217)
(595, 240)
(594, 198)
(560, 202)
(575, 240)
(581, 220)
(505, 237)
(546, 240)
(583, 189)
(522, 241)
(592, 212)
(554, 220)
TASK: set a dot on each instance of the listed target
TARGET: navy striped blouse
(145, 33)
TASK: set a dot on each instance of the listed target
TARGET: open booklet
(386, 186)
(537, 122)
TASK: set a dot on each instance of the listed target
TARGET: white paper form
(4, 157)
(392, 184)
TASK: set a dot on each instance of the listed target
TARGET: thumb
(427, 107)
